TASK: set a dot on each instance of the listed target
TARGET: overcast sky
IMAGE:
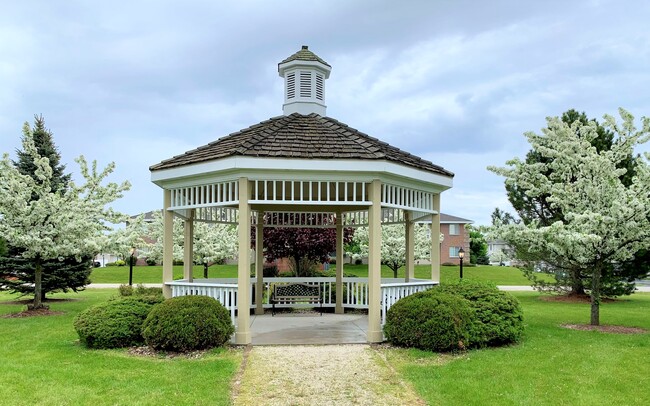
(455, 82)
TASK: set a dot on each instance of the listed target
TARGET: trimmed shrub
(429, 320)
(114, 324)
(187, 323)
(150, 261)
(125, 290)
(142, 290)
(498, 319)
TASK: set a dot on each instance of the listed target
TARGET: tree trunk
(595, 296)
(577, 285)
(38, 285)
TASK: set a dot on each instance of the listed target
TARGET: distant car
(97, 264)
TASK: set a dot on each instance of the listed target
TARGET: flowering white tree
(606, 222)
(120, 241)
(48, 224)
(393, 244)
(499, 256)
(212, 242)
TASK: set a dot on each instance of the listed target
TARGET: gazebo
(301, 169)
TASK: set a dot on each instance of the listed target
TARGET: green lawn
(552, 366)
(42, 364)
(500, 275)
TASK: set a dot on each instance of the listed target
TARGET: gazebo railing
(355, 291)
(224, 293)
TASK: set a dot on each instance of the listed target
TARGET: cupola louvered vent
(291, 85)
(305, 84)
(319, 87)
(304, 76)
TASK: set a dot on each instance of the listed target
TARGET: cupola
(304, 76)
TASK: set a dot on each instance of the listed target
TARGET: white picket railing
(392, 292)
(224, 293)
(355, 291)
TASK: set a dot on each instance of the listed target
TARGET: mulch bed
(32, 313)
(28, 301)
(573, 299)
(606, 329)
(151, 353)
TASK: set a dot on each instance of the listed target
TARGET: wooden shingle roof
(300, 136)
(305, 55)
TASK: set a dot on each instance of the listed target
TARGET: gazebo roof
(304, 55)
(298, 136)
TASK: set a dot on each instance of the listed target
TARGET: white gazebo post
(375, 334)
(339, 264)
(168, 243)
(188, 246)
(410, 246)
(243, 333)
(259, 263)
(435, 239)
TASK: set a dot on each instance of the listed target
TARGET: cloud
(454, 82)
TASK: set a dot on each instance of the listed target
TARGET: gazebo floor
(309, 328)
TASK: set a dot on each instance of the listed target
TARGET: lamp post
(205, 268)
(461, 255)
(131, 266)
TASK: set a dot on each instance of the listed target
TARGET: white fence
(355, 291)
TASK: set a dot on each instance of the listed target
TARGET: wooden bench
(296, 293)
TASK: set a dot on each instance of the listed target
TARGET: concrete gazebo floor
(287, 328)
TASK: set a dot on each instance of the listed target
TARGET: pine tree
(43, 139)
(59, 274)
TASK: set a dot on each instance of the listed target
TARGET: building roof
(446, 218)
(304, 55)
(298, 136)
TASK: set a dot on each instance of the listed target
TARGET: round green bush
(113, 324)
(187, 323)
(498, 320)
(429, 321)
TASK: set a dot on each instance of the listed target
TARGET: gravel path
(320, 375)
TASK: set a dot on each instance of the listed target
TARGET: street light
(131, 266)
(205, 268)
(461, 255)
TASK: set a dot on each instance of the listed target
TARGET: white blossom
(605, 220)
(212, 242)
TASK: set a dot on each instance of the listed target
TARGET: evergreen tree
(59, 274)
(477, 247)
(43, 140)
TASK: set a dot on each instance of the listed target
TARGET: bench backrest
(296, 290)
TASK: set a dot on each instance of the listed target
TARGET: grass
(500, 275)
(42, 364)
(552, 366)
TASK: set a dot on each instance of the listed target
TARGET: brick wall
(460, 240)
